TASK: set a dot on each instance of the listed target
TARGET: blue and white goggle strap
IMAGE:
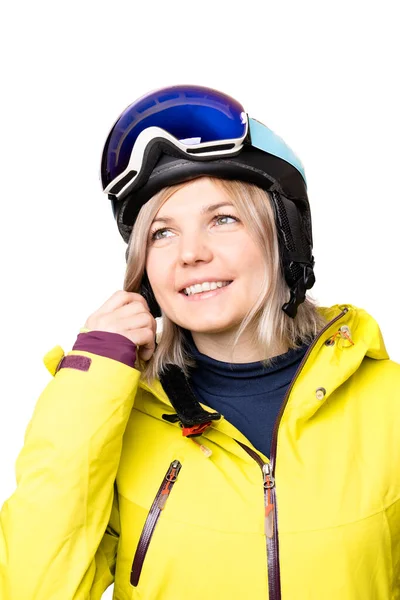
(190, 146)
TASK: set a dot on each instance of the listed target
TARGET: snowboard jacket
(141, 485)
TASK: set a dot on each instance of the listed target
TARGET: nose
(193, 248)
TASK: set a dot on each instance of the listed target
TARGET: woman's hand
(128, 314)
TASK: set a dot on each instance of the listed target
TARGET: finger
(138, 321)
(121, 298)
(131, 310)
(142, 337)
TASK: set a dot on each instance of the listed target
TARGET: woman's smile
(205, 295)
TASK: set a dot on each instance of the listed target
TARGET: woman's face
(195, 244)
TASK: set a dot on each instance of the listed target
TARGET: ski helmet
(176, 134)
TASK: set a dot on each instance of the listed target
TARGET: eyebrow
(204, 210)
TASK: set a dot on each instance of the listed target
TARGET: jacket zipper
(268, 471)
(152, 518)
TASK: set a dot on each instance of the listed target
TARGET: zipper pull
(346, 334)
(169, 480)
(205, 450)
(269, 483)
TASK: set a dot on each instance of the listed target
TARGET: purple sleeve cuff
(107, 344)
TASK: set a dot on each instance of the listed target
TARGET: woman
(249, 449)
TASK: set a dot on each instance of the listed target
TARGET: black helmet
(178, 133)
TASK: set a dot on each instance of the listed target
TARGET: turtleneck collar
(223, 378)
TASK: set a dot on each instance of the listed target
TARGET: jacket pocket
(151, 521)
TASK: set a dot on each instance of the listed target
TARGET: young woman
(245, 443)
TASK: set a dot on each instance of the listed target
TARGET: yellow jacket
(109, 490)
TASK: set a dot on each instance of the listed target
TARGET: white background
(324, 76)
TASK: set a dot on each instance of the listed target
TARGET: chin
(209, 326)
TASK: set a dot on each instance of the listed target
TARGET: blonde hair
(272, 327)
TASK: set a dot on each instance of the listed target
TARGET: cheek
(246, 255)
(251, 265)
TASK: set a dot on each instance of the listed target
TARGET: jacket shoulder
(379, 376)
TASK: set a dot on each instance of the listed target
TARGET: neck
(220, 347)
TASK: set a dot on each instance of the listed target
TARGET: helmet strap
(298, 291)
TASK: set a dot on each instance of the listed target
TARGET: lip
(207, 294)
(194, 281)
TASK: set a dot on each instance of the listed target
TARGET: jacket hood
(366, 333)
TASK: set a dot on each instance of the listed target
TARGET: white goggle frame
(187, 146)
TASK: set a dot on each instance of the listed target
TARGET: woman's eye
(155, 234)
(219, 217)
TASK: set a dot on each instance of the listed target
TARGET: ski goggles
(201, 123)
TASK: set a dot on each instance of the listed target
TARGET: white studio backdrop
(323, 76)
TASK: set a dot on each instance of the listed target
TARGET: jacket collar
(324, 367)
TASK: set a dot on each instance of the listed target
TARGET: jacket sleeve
(106, 556)
(59, 529)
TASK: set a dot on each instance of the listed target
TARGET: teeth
(204, 287)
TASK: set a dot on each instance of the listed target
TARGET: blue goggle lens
(188, 112)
